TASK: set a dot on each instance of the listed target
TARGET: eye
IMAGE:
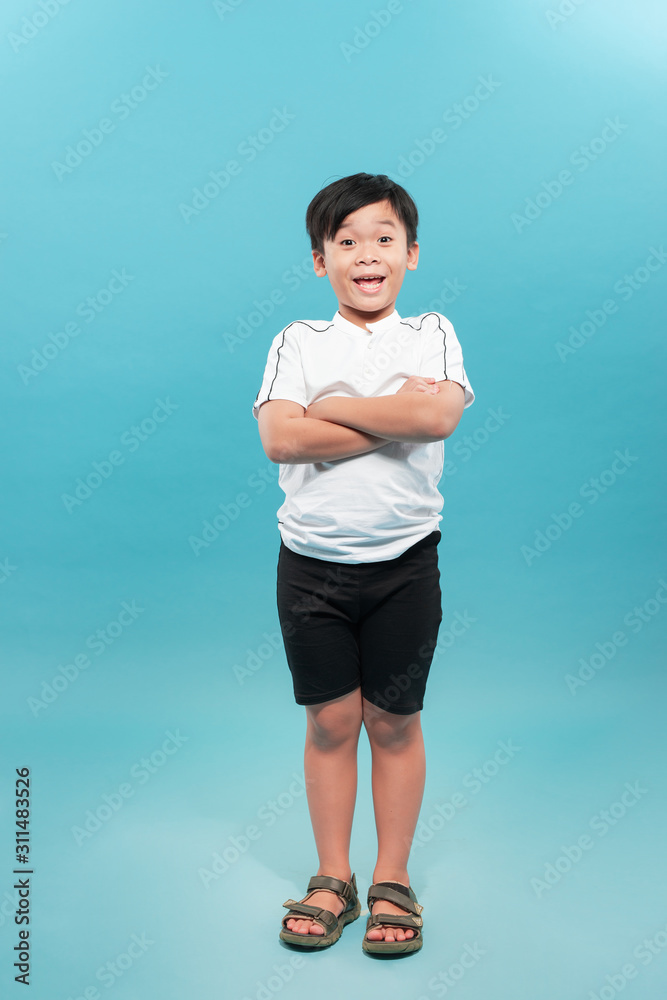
(385, 237)
(347, 241)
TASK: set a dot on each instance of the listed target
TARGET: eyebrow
(380, 222)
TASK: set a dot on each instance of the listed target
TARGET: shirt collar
(382, 324)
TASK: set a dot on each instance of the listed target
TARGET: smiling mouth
(370, 283)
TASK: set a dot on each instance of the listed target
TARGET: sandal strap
(329, 919)
(396, 920)
(348, 890)
(379, 891)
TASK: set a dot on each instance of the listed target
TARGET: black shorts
(369, 625)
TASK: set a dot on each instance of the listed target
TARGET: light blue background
(170, 335)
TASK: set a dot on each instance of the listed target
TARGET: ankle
(336, 871)
(391, 875)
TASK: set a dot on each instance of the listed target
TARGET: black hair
(331, 205)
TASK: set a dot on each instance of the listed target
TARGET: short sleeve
(283, 374)
(441, 356)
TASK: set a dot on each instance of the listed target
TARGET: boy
(355, 411)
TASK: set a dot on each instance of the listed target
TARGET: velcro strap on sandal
(396, 920)
(337, 885)
(326, 917)
(393, 896)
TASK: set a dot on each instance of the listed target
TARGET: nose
(368, 254)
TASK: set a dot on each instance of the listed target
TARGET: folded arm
(418, 417)
(342, 427)
(289, 437)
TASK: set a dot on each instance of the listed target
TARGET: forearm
(400, 417)
(309, 439)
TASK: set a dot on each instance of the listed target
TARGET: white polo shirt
(370, 507)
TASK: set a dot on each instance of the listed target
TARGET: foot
(325, 898)
(387, 932)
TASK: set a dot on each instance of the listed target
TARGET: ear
(318, 264)
(413, 256)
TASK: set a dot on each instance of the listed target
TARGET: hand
(417, 383)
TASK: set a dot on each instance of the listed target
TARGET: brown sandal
(404, 896)
(333, 925)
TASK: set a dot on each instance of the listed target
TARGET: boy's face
(370, 241)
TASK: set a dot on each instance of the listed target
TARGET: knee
(332, 725)
(389, 730)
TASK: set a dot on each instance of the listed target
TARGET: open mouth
(370, 282)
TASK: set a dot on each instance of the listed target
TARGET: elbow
(272, 448)
(282, 452)
(276, 452)
(441, 421)
(283, 444)
(438, 425)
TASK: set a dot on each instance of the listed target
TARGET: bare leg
(398, 776)
(330, 767)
